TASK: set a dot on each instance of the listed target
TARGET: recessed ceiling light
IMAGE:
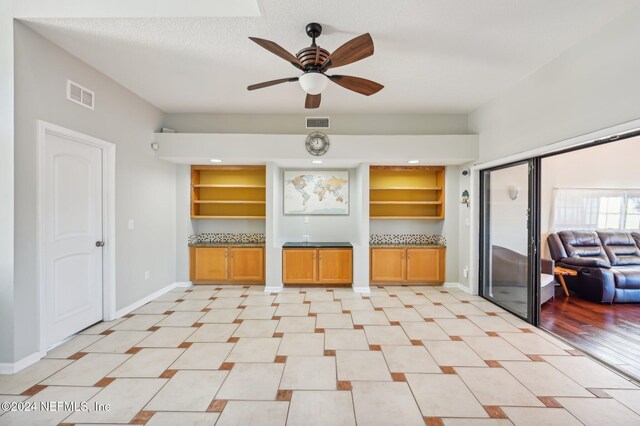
(215, 160)
(413, 161)
(317, 161)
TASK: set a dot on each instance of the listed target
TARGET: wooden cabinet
(425, 265)
(299, 266)
(317, 266)
(335, 266)
(246, 264)
(210, 265)
(388, 265)
(401, 265)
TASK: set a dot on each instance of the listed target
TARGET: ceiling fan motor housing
(312, 57)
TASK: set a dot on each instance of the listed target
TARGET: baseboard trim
(362, 290)
(273, 289)
(14, 367)
(132, 307)
(458, 286)
(184, 284)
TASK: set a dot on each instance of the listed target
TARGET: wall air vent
(317, 123)
(80, 95)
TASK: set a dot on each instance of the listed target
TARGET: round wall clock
(317, 143)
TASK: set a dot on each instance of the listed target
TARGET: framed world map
(318, 192)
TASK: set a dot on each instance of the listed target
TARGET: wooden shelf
(434, 203)
(227, 202)
(407, 188)
(406, 193)
(228, 192)
(228, 186)
(406, 217)
(228, 217)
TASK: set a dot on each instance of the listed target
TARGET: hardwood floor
(608, 332)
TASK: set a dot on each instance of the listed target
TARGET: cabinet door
(210, 264)
(425, 265)
(335, 266)
(246, 264)
(388, 265)
(299, 266)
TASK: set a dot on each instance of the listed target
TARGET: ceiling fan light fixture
(313, 82)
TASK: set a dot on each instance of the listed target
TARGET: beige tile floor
(223, 355)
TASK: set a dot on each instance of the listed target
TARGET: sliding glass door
(508, 255)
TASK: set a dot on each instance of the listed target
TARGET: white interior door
(73, 185)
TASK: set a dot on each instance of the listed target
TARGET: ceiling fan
(314, 61)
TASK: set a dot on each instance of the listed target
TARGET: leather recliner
(607, 263)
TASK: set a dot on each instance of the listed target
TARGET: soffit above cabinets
(289, 150)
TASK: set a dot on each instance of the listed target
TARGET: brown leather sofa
(607, 262)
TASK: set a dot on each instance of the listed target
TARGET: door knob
(99, 243)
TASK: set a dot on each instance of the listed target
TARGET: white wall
(509, 217)
(145, 186)
(184, 224)
(6, 184)
(593, 85)
(464, 221)
(343, 124)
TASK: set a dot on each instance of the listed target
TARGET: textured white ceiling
(432, 55)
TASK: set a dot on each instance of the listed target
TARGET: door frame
(533, 236)
(108, 221)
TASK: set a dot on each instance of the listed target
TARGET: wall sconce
(465, 198)
(514, 191)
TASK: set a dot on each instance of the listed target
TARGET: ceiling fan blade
(358, 48)
(278, 50)
(357, 84)
(312, 101)
(271, 83)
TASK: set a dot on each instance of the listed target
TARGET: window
(575, 209)
(609, 212)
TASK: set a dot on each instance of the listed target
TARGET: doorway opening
(560, 246)
(590, 231)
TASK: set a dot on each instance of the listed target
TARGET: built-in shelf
(228, 202)
(227, 186)
(228, 192)
(406, 188)
(407, 202)
(230, 217)
(405, 218)
(413, 192)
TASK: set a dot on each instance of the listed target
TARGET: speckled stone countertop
(230, 244)
(227, 239)
(408, 245)
(313, 244)
(407, 240)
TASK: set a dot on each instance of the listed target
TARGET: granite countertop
(312, 244)
(408, 245)
(226, 244)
